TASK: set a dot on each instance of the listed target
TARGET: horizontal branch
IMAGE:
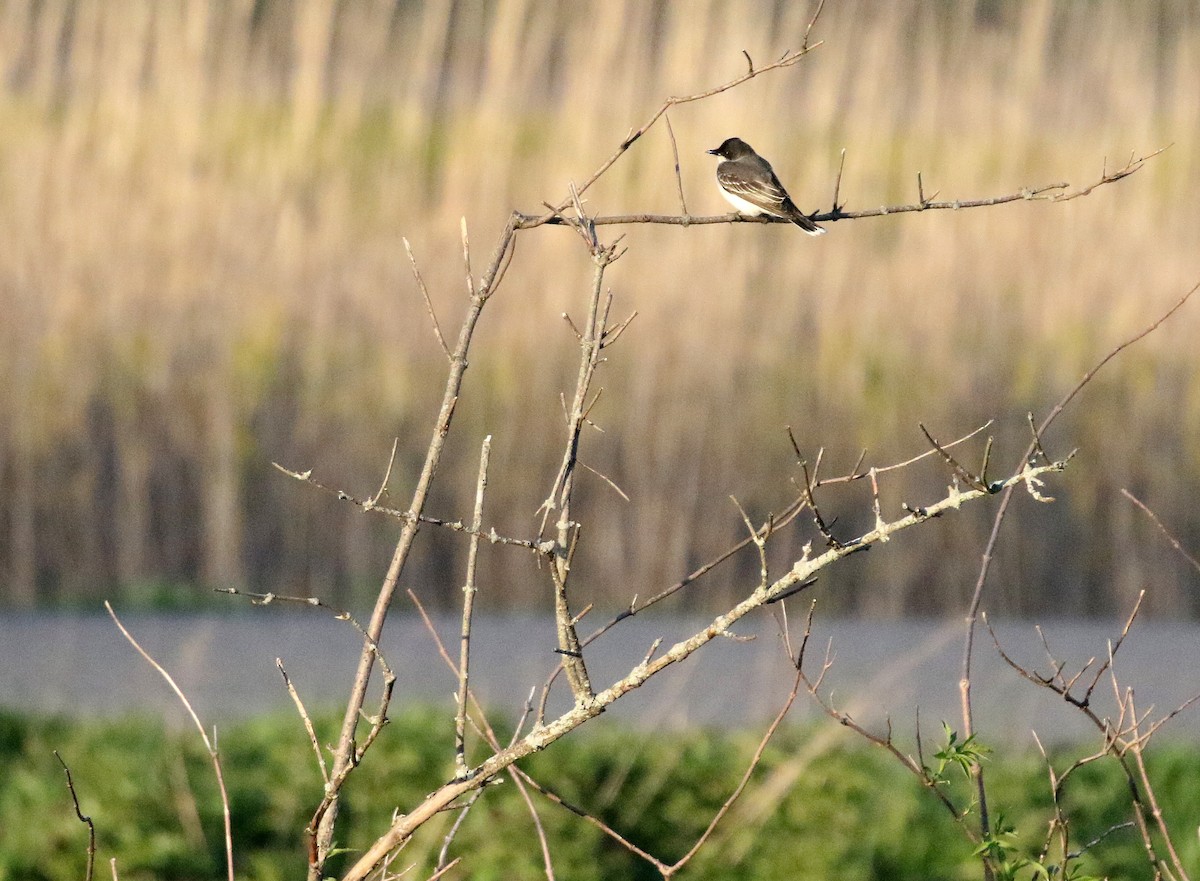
(407, 516)
(1059, 192)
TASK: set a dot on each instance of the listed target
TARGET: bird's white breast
(741, 204)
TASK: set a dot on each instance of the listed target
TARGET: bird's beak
(716, 152)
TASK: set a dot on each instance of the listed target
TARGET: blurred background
(201, 211)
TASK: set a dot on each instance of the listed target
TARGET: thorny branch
(559, 549)
(545, 734)
(1056, 192)
(1035, 447)
(796, 507)
(884, 741)
(559, 499)
(1125, 739)
(334, 781)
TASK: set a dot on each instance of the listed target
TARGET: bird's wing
(764, 191)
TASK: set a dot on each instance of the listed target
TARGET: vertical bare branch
(466, 246)
(91, 848)
(208, 744)
(464, 662)
(344, 752)
(675, 153)
(590, 343)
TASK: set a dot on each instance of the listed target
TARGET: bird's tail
(807, 225)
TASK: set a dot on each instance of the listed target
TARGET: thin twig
(308, 725)
(675, 153)
(837, 184)
(444, 869)
(813, 685)
(754, 762)
(466, 252)
(406, 516)
(788, 59)
(91, 848)
(455, 826)
(519, 780)
(437, 329)
(1175, 543)
(208, 744)
(387, 475)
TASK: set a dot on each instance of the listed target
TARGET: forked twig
(787, 60)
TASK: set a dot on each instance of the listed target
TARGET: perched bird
(749, 183)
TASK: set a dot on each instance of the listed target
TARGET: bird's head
(732, 148)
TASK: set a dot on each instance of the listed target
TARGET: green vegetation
(841, 811)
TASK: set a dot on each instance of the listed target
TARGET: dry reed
(201, 206)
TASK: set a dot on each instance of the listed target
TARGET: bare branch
(812, 23)
(91, 848)
(1056, 192)
(208, 744)
(545, 734)
(387, 475)
(675, 153)
(466, 252)
(837, 184)
(444, 869)
(308, 725)
(1006, 496)
(404, 516)
(1175, 543)
(469, 589)
(962, 473)
(754, 762)
(785, 517)
(346, 752)
(788, 59)
(437, 329)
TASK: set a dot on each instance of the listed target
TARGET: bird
(749, 183)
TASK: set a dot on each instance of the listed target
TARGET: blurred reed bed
(201, 206)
